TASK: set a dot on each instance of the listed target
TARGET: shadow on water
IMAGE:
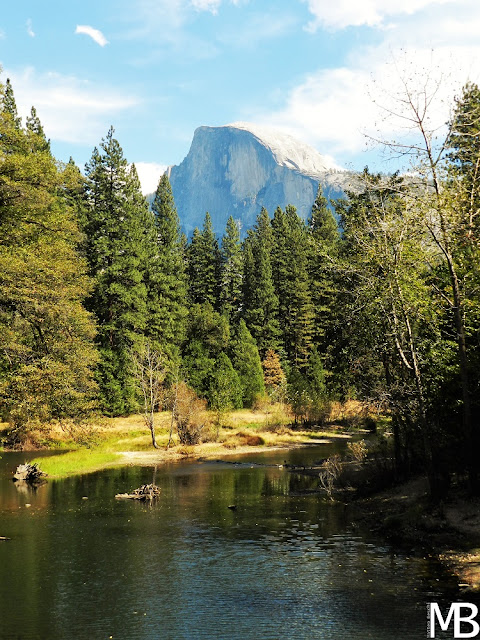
(282, 564)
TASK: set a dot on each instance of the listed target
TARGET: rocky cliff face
(236, 169)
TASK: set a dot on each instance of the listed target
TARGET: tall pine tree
(246, 361)
(117, 250)
(166, 277)
(231, 272)
(324, 242)
(203, 260)
(260, 300)
(290, 274)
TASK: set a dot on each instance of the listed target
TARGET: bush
(188, 415)
(329, 474)
(357, 450)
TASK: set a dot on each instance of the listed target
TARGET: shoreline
(448, 531)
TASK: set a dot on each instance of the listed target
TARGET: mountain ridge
(238, 168)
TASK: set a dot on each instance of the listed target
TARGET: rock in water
(238, 168)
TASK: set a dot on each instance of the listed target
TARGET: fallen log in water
(3, 538)
(28, 473)
(145, 492)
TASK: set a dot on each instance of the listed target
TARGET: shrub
(188, 415)
(329, 473)
(357, 450)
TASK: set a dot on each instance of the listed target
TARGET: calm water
(284, 564)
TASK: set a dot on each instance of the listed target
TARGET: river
(285, 563)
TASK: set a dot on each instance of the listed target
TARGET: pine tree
(9, 106)
(224, 392)
(459, 242)
(117, 251)
(208, 335)
(290, 275)
(203, 260)
(324, 242)
(247, 364)
(231, 272)
(38, 139)
(260, 301)
(165, 275)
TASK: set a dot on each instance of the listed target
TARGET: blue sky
(157, 69)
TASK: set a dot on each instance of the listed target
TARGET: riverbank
(127, 441)
(448, 531)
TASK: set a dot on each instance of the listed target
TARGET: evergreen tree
(231, 272)
(247, 364)
(464, 155)
(9, 106)
(13, 136)
(37, 135)
(461, 248)
(324, 242)
(117, 250)
(165, 275)
(260, 301)
(290, 275)
(208, 335)
(203, 260)
(224, 392)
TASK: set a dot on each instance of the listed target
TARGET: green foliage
(203, 263)
(306, 392)
(231, 272)
(224, 392)
(47, 349)
(9, 108)
(247, 364)
(292, 286)
(36, 133)
(324, 245)
(208, 335)
(165, 275)
(260, 301)
(119, 231)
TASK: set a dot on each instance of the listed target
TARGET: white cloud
(344, 13)
(337, 109)
(30, 30)
(95, 34)
(149, 174)
(70, 109)
(207, 5)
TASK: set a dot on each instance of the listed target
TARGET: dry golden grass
(242, 431)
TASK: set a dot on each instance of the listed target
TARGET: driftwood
(145, 492)
(3, 538)
(29, 473)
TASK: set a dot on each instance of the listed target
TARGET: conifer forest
(374, 297)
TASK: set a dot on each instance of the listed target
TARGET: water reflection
(284, 564)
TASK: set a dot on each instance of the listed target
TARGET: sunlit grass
(76, 462)
(105, 442)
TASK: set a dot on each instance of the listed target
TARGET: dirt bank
(449, 530)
